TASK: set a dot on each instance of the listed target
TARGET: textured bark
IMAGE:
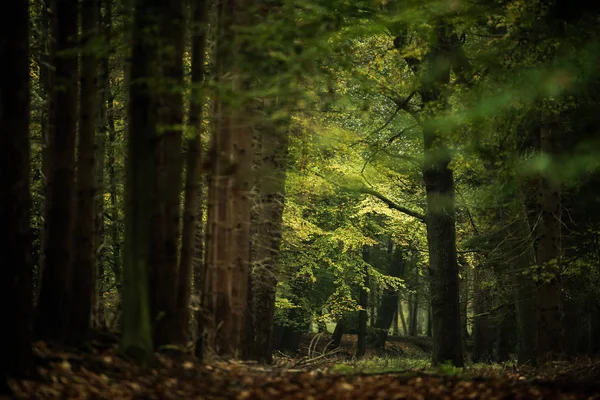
(216, 301)
(136, 338)
(169, 164)
(271, 177)
(549, 294)
(53, 305)
(16, 265)
(105, 24)
(389, 299)
(192, 206)
(363, 302)
(82, 284)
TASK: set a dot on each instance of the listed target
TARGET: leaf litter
(102, 374)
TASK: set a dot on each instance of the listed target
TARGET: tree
(16, 265)
(84, 263)
(136, 338)
(192, 207)
(52, 318)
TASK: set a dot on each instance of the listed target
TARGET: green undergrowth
(382, 365)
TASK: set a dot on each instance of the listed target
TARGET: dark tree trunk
(549, 294)
(16, 265)
(441, 227)
(363, 303)
(52, 317)
(389, 298)
(481, 328)
(338, 333)
(136, 337)
(169, 164)
(82, 284)
(105, 24)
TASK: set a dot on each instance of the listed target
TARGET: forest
(300, 199)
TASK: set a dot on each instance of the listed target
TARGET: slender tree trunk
(402, 319)
(363, 303)
(136, 339)
(549, 294)
(47, 123)
(82, 284)
(16, 286)
(115, 220)
(389, 299)
(192, 207)
(463, 298)
(53, 306)
(395, 327)
(105, 23)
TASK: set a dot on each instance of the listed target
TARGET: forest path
(103, 375)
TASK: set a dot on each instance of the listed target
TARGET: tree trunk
(389, 298)
(16, 286)
(219, 259)
(363, 303)
(481, 328)
(464, 298)
(168, 164)
(338, 334)
(136, 338)
(192, 207)
(53, 305)
(105, 24)
(271, 176)
(82, 284)
(395, 327)
(402, 319)
(441, 229)
(549, 294)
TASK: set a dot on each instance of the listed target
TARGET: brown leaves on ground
(103, 375)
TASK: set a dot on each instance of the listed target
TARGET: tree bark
(271, 176)
(82, 284)
(16, 266)
(168, 163)
(192, 206)
(363, 302)
(136, 338)
(53, 306)
(441, 226)
(549, 294)
(389, 298)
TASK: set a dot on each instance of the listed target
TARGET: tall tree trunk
(192, 207)
(441, 227)
(218, 259)
(105, 24)
(136, 338)
(166, 214)
(82, 284)
(271, 176)
(53, 307)
(16, 265)
(47, 123)
(389, 298)
(115, 220)
(549, 294)
(395, 322)
(363, 302)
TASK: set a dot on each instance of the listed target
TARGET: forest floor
(100, 374)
